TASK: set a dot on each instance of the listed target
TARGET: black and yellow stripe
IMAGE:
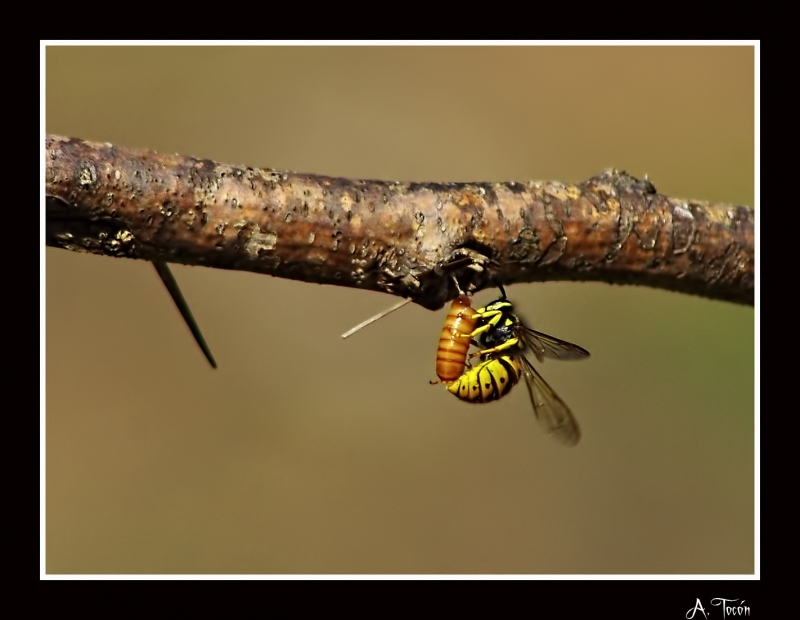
(487, 381)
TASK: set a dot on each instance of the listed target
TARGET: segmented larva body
(454, 341)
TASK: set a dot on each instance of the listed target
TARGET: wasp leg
(477, 332)
(508, 344)
(484, 313)
(438, 382)
(466, 361)
(485, 327)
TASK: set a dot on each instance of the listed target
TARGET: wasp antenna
(172, 286)
(458, 288)
(380, 315)
(500, 286)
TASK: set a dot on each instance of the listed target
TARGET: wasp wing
(551, 412)
(544, 346)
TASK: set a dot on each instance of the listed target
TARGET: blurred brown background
(304, 453)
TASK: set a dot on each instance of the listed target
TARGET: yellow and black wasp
(503, 342)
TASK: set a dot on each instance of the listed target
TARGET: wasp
(503, 343)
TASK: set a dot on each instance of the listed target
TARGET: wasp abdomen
(454, 341)
(489, 380)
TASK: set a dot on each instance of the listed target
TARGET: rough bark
(403, 238)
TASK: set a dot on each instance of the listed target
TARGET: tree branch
(406, 239)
